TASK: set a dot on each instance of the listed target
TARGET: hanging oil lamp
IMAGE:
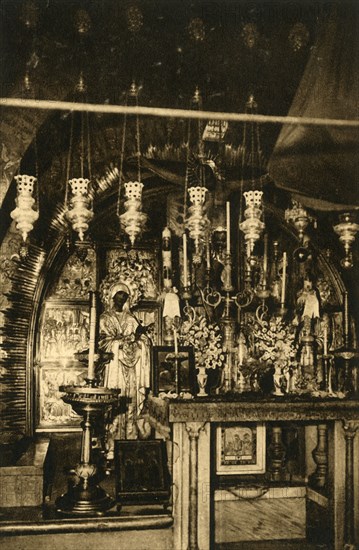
(196, 219)
(347, 229)
(79, 212)
(25, 213)
(133, 220)
(78, 206)
(298, 216)
(252, 226)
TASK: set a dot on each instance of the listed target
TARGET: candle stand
(87, 498)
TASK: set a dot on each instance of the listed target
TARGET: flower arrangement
(206, 340)
(274, 342)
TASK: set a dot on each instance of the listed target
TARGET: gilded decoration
(78, 275)
(135, 268)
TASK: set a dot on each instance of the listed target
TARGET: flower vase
(277, 379)
(202, 381)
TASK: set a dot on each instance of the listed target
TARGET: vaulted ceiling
(228, 48)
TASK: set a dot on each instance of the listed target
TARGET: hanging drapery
(321, 164)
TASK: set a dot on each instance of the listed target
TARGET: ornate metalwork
(25, 215)
(347, 229)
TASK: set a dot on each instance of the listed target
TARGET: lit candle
(176, 341)
(325, 340)
(284, 278)
(93, 312)
(208, 256)
(228, 218)
(185, 274)
(240, 357)
(265, 259)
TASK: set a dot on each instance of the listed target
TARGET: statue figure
(308, 306)
(129, 370)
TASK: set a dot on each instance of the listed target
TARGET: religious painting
(64, 332)
(141, 472)
(240, 448)
(172, 372)
(53, 411)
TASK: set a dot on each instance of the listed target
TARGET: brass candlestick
(87, 498)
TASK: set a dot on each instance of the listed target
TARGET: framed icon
(171, 373)
(141, 470)
(240, 448)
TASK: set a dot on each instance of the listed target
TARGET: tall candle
(208, 255)
(185, 274)
(166, 258)
(346, 319)
(228, 218)
(265, 259)
(325, 340)
(284, 273)
(240, 353)
(176, 341)
(91, 359)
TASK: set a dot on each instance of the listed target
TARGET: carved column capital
(350, 428)
(193, 429)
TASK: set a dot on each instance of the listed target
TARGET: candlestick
(284, 278)
(228, 218)
(93, 313)
(185, 274)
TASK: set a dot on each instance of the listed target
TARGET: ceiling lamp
(133, 220)
(252, 226)
(196, 219)
(347, 230)
(78, 206)
(26, 212)
(25, 215)
(299, 217)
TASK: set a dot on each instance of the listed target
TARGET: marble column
(193, 429)
(350, 428)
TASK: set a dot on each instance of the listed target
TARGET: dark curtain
(320, 163)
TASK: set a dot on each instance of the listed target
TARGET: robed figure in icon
(129, 370)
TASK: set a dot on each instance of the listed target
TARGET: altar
(194, 468)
